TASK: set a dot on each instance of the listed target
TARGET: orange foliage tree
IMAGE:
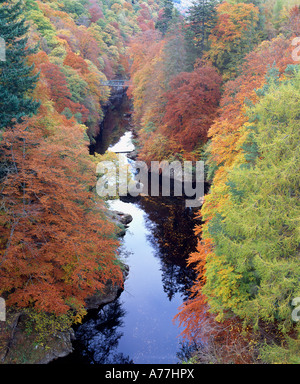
(173, 117)
(191, 106)
(233, 37)
(57, 247)
(60, 93)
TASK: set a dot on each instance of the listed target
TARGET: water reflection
(98, 337)
(171, 233)
(149, 333)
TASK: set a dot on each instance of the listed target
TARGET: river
(138, 327)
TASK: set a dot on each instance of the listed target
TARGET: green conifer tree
(16, 78)
(201, 20)
(164, 23)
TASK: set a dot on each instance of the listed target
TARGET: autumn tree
(174, 55)
(231, 147)
(293, 21)
(87, 45)
(60, 92)
(146, 72)
(95, 12)
(57, 247)
(76, 62)
(191, 106)
(234, 35)
(255, 272)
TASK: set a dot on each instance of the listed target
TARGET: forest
(217, 82)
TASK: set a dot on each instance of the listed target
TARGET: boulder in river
(132, 155)
(121, 220)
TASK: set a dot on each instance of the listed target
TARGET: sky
(183, 5)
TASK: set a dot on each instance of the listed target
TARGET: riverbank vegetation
(229, 94)
(221, 84)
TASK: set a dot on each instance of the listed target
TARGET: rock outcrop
(17, 346)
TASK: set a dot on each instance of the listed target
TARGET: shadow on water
(170, 227)
(98, 337)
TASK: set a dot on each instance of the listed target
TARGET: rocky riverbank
(121, 220)
(17, 346)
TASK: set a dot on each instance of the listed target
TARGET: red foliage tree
(57, 83)
(96, 13)
(59, 91)
(56, 247)
(294, 20)
(76, 62)
(191, 105)
(87, 45)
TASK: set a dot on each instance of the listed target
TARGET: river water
(138, 327)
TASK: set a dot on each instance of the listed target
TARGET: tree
(16, 77)
(76, 62)
(202, 18)
(146, 73)
(87, 45)
(166, 16)
(57, 247)
(293, 22)
(191, 106)
(95, 12)
(57, 83)
(174, 55)
(60, 93)
(233, 36)
(226, 149)
(256, 271)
